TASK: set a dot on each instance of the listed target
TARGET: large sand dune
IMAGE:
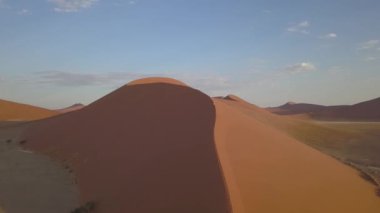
(156, 145)
(15, 111)
(147, 147)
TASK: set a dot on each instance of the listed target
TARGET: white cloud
(329, 36)
(71, 5)
(371, 58)
(23, 12)
(299, 28)
(371, 44)
(300, 68)
(304, 24)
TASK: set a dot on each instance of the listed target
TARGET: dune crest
(154, 80)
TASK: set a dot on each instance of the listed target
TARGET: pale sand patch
(31, 182)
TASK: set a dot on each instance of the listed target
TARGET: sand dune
(267, 171)
(147, 147)
(16, 111)
(72, 108)
(363, 111)
(156, 145)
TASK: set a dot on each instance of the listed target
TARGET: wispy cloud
(267, 11)
(371, 48)
(329, 36)
(371, 58)
(71, 5)
(24, 12)
(300, 68)
(63, 78)
(301, 27)
(212, 84)
(369, 45)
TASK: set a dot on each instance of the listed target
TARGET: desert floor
(31, 182)
(357, 144)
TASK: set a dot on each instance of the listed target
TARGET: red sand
(147, 147)
(11, 111)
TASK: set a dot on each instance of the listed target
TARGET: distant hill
(364, 111)
(74, 107)
(12, 111)
(292, 108)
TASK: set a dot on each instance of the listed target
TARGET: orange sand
(150, 147)
(147, 147)
(267, 171)
(11, 111)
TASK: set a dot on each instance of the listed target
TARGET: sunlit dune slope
(11, 111)
(268, 171)
(357, 145)
(147, 147)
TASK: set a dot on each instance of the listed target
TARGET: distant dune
(292, 108)
(74, 107)
(364, 111)
(157, 145)
(11, 111)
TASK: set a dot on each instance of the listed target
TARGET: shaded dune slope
(15, 111)
(268, 171)
(147, 147)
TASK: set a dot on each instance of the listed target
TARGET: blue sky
(54, 53)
